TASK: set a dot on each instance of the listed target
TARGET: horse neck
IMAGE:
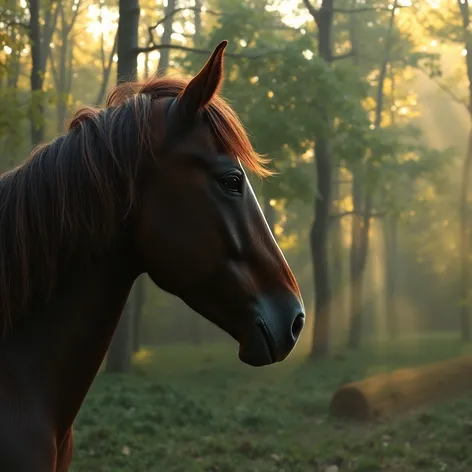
(60, 350)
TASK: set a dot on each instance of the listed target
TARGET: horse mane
(69, 196)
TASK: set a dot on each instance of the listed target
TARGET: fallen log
(388, 394)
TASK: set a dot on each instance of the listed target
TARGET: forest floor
(198, 409)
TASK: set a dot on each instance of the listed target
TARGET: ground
(197, 409)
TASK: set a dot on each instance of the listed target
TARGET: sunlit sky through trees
(101, 21)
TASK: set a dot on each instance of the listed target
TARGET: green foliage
(13, 102)
(12, 33)
(12, 112)
(283, 94)
(368, 32)
(444, 23)
(429, 62)
(395, 155)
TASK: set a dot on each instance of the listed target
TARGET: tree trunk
(146, 66)
(14, 70)
(40, 49)
(319, 229)
(197, 22)
(120, 351)
(61, 106)
(465, 243)
(106, 71)
(465, 252)
(390, 231)
(63, 72)
(359, 251)
(389, 395)
(335, 237)
(360, 247)
(12, 78)
(127, 40)
(36, 81)
(355, 268)
(166, 38)
(390, 228)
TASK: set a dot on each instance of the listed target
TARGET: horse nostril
(297, 326)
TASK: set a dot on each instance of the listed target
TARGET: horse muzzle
(275, 332)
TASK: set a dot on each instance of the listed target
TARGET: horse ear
(204, 85)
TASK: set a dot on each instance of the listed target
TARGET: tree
(62, 65)
(369, 150)
(323, 18)
(121, 347)
(41, 31)
(166, 37)
(452, 22)
(13, 38)
(363, 212)
(466, 327)
(106, 61)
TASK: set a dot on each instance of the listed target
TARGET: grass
(198, 409)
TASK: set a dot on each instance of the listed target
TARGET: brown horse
(152, 183)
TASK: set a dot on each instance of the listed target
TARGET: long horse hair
(67, 199)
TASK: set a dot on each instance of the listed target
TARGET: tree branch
(75, 15)
(54, 72)
(176, 11)
(47, 32)
(256, 54)
(106, 72)
(171, 14)
(311, 9)
(350, 11)
(181, 9)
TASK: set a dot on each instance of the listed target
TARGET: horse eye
(232, 183)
